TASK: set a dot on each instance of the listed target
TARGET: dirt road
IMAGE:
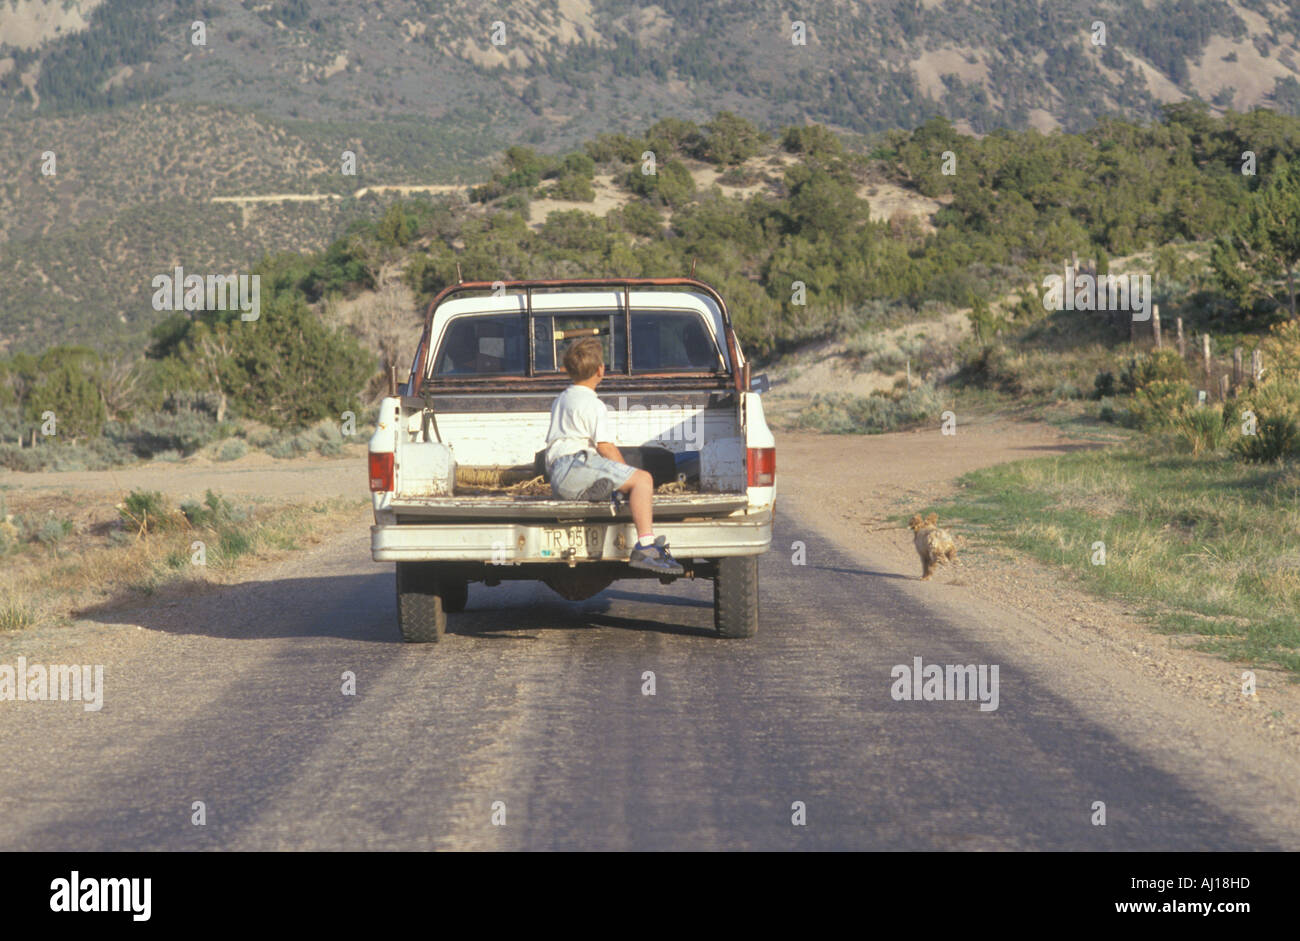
(234, 698)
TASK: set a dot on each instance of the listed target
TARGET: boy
(584, 464)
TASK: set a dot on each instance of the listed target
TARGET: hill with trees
(792, 243)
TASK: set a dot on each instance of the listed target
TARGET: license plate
(584, 540)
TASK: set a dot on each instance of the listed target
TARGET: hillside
(559, 70)
(173, 153)
(142, 188)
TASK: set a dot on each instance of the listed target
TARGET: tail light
(381, 472)
(762, 467)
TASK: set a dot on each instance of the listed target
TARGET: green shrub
(867, 347)
(1145, 369)
(10, 534)
(984, 323)
(53, 531)
(1156, 405)
(233, 543)
(232, 450)
(56, 455)
(14, 615)
(264, 438)
(324, 438)
(147, 511)
(575, 188)
(872, 414)
(1275, 437)
(186, 422)
(1203, 430)
(284, 448)
(639, 218)
(214, 511)
(993, 367)
(1103, 387)
(1276, 407)
(290, 369)
(26, 460)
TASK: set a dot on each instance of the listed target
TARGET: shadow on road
(871, 572)
(363, 608)
(353, 607)
(1087, 446)
(531, 607)
(619, 594)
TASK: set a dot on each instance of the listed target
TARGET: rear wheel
(421, 615)
(735, 596)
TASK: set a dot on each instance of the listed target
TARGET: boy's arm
(603, 436)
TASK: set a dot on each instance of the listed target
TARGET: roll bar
(626, 284)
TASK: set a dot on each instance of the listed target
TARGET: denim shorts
(587, 476)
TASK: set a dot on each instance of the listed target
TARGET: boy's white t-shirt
(578, 421)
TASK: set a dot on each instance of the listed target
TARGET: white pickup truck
(454, 469)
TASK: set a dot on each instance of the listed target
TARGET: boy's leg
(640, 490)
(648, 553)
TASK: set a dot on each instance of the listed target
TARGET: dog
(933, 544)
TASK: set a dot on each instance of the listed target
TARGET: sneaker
(655, 558)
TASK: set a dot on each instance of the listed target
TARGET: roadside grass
(117, 560)
(15, 614)
(836, 413)
(1207, 547)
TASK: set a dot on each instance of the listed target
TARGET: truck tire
(735, 596)
(420, 612)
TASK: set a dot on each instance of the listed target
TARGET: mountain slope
(563, 69)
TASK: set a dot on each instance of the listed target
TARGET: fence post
(1236, 367)
(1205, 356)
(1178, 329)
(1256, 366)
(1155, 323)
(1223, 388)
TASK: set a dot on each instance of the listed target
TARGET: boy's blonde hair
(582, 359)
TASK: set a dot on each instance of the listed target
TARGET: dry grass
(520, 482)
(492, 478)
(105, 563)
(1203, 546)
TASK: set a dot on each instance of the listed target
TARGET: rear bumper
(609, 540)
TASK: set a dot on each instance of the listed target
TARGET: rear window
(496, 344)
(483, 345)
(664, 341)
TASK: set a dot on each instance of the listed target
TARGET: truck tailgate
(489, 507)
